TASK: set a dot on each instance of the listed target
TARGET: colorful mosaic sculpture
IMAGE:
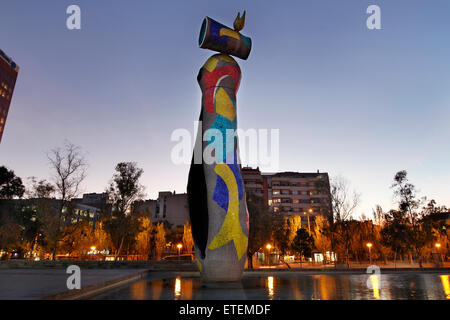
(216, 194)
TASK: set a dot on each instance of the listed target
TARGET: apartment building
(292, 193)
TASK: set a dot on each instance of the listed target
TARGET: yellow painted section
(230, 33)
(227, 58)
(224, 105)
(231, 227)
(211, 64)
(199, 265)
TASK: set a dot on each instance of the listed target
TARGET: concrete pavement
(39, 283)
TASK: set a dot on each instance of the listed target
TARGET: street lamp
(369, 245)
(179, 246)
(268, 247)
(438, 247)
(310, 210)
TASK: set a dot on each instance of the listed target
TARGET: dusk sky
(349, 101)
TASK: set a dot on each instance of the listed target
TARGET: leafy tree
(144, 237)
(302, 243)
(294, 223)
(124, 190)
(321, 241)
(281, 234)
(77, 238)
(408, 207)
(188, 241)
(10, 232)
(160, 240)
(259, 225)
(396, 233)
(10, 185)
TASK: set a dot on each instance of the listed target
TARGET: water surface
(289, 286)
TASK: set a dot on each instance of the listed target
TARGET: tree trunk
(347, 258)
(57, 230)
(54, 249)
(120, 248)
(395, 259)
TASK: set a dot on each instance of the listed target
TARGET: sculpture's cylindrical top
(217, 37)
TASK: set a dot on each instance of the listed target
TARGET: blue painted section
(221, 191)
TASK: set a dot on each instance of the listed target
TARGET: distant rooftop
(292, 174)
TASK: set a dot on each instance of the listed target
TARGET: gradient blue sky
(349, 101)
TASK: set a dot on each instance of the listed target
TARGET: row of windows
(292, 184)
(294, 192)
(280, 200)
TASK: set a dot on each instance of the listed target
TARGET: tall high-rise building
(8, 75)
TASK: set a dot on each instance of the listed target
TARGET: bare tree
(343, 200)
(378, 215)
(69, 166)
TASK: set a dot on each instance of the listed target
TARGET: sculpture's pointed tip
(239, 22)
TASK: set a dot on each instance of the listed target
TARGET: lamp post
(438, 247)
(310, 210)
(268, 247)
(93, 251)
(179, 246)
(369, 245)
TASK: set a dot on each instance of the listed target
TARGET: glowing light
(310, 210)
(93, 248)
(179, 246)
(177, 287)
(270, 286)
(369, 245)
(268, 247)
(375, 280)
(437, 245)
(445, 279)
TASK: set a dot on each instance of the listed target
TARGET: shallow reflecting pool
(290, 286)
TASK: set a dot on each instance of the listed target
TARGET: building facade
(8, 76)
(170, 207)
(291, 193)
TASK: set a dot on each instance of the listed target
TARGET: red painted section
(210, 82)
